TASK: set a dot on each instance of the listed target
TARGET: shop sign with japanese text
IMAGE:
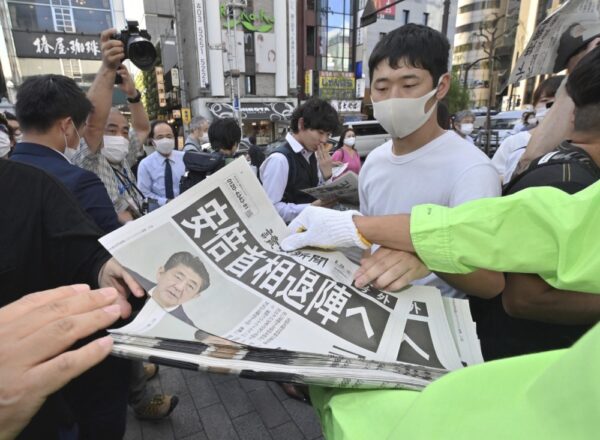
(57, 45)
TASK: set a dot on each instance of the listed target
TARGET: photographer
(109, 149)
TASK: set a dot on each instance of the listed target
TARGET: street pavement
(224, 407)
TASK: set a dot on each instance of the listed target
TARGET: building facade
(54, 36)
(334, 50)
(531, 13)
(238, 61)
(482, 27)
(426, 12)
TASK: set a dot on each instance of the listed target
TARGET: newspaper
(224, 297)
(344, 189)
(575, 20)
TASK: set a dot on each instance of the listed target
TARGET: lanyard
(128, 184)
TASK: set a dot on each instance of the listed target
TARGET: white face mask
(540, 113)
(401, 117)
(350, 141)
(532, 121)
(149, 149)
(67, 146)
(115, 148)
(204, 138)
(164, 146)
(466, 129)
(4, 144)
(19, 137)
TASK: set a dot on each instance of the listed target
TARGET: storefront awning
(254, 111)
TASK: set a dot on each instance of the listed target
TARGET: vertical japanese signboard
(199, 12)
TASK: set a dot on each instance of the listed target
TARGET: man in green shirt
(554, 394)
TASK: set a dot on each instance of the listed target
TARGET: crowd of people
(434, 210)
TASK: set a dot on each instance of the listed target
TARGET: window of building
(335, 24)
(310, 5)
(30, 17)
(90, 21)
(425, 18)
(95, 4)
(63, 20)
(72, 69)
(310, 41)
(86, 16)
(250, 83)
(479, 6)
(406, 13)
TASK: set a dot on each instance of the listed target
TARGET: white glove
(323, 228)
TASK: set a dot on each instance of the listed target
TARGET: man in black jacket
(48, 241)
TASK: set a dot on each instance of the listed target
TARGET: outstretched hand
(114, 275)
(323, 228)
(35, 331)
(389, 269)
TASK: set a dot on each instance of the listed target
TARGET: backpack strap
(568, 163)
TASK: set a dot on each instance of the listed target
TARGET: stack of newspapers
(223, 297)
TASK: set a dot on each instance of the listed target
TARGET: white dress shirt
(151, 175)
(274, 177)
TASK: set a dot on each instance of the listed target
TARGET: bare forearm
(100, 94)
(555, 128)
(140, 121)
(391, 231)
(529, 297)
(481, 283)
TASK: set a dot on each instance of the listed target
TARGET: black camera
(138, 47)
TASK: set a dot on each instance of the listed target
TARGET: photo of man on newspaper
(181, 279)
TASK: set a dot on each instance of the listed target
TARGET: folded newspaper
(344, 189)
(223, 297)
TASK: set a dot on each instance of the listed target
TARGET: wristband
(136, 98)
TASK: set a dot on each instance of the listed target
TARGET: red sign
(388, 13)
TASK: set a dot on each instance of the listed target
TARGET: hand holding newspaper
(224, 297)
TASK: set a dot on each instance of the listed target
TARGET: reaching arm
(35, 334)
(538, 230)
(481, 283)
(139, 117)
(101, 90)
(554, 128)
(530, 297)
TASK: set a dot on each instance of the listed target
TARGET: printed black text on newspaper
(221, 235)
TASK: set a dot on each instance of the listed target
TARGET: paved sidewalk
(223, 407)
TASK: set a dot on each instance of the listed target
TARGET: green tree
(458, 97)
(150, 92)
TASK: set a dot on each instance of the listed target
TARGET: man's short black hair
(317, 114)
(194, 263)
(583, 86)
(156, 122)
(419, 46)
(224, 134)
(43, 99)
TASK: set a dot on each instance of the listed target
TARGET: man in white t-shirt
(423, 163)
(509, 152)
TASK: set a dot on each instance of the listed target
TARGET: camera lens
(141, 52)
